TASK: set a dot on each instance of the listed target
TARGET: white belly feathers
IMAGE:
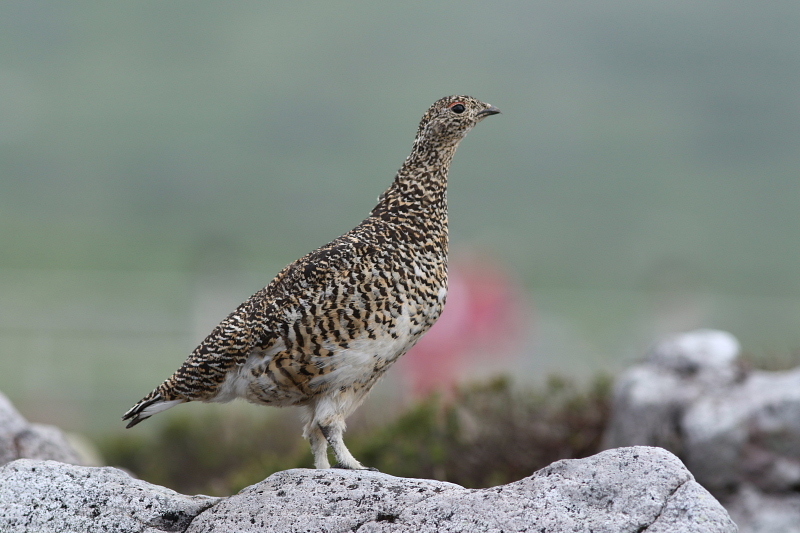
(361, 363)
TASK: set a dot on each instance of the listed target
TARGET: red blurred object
(483, 325)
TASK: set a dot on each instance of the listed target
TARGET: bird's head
(449, 119)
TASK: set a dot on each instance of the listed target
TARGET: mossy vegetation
(482, 435)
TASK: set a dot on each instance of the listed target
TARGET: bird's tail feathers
(148, 406)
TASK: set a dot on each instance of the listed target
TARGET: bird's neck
(419, 191)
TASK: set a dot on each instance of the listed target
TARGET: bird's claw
(344, 467)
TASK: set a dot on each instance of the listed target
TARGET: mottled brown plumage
(331, 323)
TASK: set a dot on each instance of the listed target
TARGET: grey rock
(707, 355)
(318, 500)
(690, 504)
(50, 496)
(650, 399)
(21, 439)
(625, 490)
(40, 441)
(11, 424)
(747, 434)
(738, 432)
(756, 512)
(630, 489)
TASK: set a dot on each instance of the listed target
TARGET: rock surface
(21, 439)
(738, 432)
(637, 489)
(51, 496)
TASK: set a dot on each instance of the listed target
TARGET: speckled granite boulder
(47, 496)
(626, 490)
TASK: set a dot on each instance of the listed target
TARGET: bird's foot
(345, 467)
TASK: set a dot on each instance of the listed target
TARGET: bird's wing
(314, 283)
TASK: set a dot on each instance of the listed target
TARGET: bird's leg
(327, 416)
(319, 446)
(333, 434)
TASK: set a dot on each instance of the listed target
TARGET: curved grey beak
(491, 110)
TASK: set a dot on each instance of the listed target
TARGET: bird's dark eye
(458, 108)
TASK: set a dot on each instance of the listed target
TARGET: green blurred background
(161, 161)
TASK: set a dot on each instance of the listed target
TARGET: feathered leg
(326, 425)
(319, 445)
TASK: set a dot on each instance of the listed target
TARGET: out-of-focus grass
(483, 435)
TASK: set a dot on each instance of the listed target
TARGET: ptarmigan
(329, 325)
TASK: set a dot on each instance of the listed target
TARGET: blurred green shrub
(483, 435)
(212, 453)
(490, 433)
